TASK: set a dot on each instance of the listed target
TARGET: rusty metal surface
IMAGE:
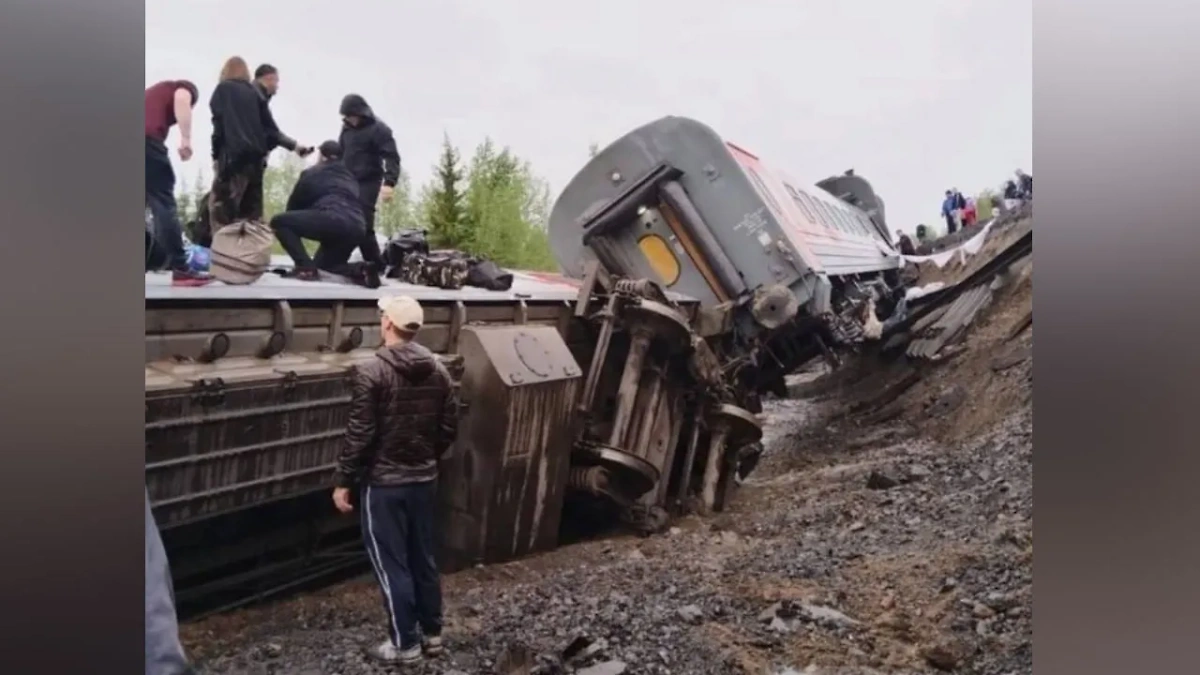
(503, 485)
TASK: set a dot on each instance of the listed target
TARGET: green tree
(188, 199)
(278, 181)
(495, 207)
(507, 206)
(397, 213)
(442, 201)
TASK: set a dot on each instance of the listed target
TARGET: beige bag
(241, 252)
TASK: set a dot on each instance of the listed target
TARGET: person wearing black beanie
(369, 152)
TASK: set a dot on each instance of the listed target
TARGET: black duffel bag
(489, 275)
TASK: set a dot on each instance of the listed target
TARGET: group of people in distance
(333, 202)
(961, 212)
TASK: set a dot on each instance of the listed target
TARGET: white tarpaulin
(966, 249)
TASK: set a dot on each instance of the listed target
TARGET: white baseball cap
(403, 311)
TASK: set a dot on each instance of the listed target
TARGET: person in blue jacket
(164, 653)
(949, 208)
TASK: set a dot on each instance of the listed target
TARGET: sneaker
(432, 646)
(389, 653)
(189, 278)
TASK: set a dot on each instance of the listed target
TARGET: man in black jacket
(266, 80)
(369, 151)
(240, 144)
(403, 420)
(324, 207)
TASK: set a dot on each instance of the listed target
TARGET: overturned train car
(783, 273)
(695, 278)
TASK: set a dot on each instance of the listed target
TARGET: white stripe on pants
(377, 563)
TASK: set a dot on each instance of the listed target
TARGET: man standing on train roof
(904, 243)
(369, 151)
(266, 80)
(169, 103)
(402, 421)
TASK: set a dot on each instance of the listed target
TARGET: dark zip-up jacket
(239, 129)
(275, 137)
(369, 150)
(328, 186)
(403, 419)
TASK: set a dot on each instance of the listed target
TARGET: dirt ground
(857, 546)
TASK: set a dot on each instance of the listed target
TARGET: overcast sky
(915, 95)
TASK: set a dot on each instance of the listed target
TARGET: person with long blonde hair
(240, 145)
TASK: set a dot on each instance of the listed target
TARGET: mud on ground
(860, 545)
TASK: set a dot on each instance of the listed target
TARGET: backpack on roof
(489, 275)
(241, 252)
(402, 244)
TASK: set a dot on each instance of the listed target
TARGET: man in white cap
(403, 419)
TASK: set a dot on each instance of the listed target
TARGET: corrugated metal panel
(223, 439)
(951, 324)
(247, 439)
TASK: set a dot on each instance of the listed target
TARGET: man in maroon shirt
(169, 103)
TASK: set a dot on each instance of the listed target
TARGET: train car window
(863, 221)
(661, 259)
(762, 190)
(809, 207)
(852, 222)
(804, 208)
(830, 217)
(841, 218)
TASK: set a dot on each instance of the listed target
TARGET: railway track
(318, 570)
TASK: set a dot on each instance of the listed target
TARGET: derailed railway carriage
(695, 277)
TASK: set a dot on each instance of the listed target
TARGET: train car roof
(271, 286)
(537, 286)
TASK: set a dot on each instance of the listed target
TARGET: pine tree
(443, 201)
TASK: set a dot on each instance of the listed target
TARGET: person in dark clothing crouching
(240, 144)
(369, 150)
(403, 420)
(324, 207)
